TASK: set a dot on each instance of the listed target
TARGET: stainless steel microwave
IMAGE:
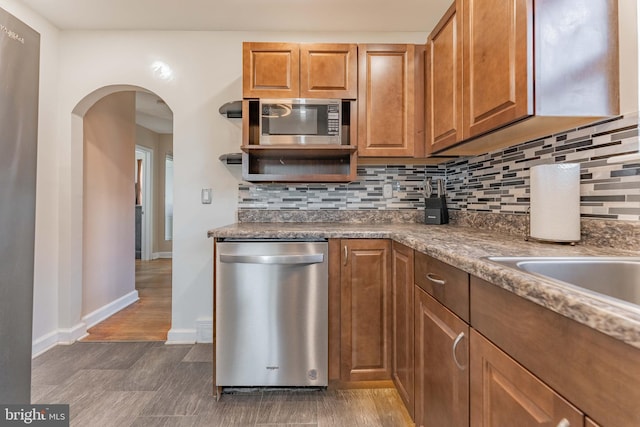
(300, 121)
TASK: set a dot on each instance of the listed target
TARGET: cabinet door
(504, 393)
(366, 310)
(329, 71)
(387, 101)
(402, 328)
(441, 363)
(443, 72)
(498, 63)
(588, 422)
(270, 70)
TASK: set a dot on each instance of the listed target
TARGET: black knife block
(435, 210)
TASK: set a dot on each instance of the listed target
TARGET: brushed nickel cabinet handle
(564, 423)
(455, 346)
(346, 254)
(272, 259)
(435, 279)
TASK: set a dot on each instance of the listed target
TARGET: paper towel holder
(529, 238)
(554, 209)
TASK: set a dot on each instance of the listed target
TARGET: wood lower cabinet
(441, 365)
(503, 393)
(365, 302)
(595, 372)
(446, 283)
(390, 110)
(402, 291)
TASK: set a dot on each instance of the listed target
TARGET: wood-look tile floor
(152, 384)
(149, 318)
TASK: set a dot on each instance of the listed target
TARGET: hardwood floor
(149, 318)
(152, 384)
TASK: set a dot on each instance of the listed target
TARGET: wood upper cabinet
(329, 71)
(270, 70)
(495, 77)
(390, 110)
(402, 288)
(441, 365)
(365, 310)
(443, 72)
(504, 393)
(293, 70)
(498, 62)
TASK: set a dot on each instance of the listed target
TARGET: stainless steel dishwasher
(271, 308)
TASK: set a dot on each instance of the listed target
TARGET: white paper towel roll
(555, 202)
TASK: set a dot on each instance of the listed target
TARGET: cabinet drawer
(447, 284)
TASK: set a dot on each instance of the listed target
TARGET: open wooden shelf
(285, 163)
(298, 163)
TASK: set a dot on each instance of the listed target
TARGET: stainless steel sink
(612, 277)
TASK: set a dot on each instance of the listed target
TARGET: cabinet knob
(564, 423)
(346, 254)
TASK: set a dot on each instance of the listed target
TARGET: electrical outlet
(387, 191)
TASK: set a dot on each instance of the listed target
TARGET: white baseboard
(164, 255)
(57, 337)
(181, 336)
(110, 309)
(70, 335)
(44, 344)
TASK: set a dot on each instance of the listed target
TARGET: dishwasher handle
(273, 259)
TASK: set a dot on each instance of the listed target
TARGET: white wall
(108, 271)
(206, 73)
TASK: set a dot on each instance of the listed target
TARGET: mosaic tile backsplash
(497, 182)
(366, 193)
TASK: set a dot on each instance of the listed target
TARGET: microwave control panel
(333, 113)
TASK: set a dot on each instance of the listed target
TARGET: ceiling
(243, 15)
(153, 113)
(236, 15)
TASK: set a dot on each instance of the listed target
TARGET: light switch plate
(205, 196)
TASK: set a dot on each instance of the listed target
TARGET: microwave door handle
(273, 259)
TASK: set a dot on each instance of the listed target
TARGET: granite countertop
(467, 248)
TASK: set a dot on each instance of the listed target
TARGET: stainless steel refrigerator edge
(19, 79)
(271, 313)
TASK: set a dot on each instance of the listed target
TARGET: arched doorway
(111, 130)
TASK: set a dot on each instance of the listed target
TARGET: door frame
(147, 202)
